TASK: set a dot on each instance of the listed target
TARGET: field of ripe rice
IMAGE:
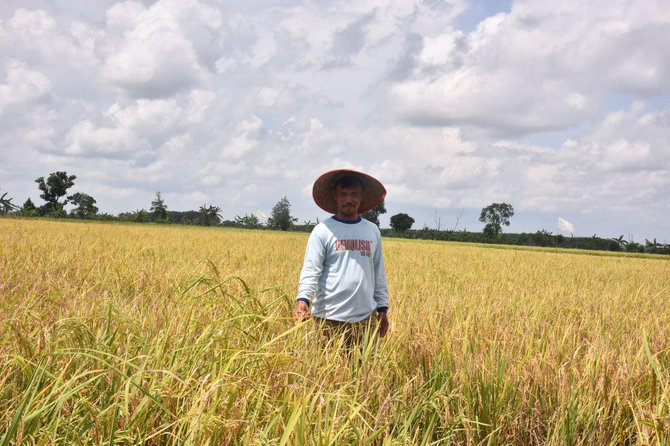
(145, 334)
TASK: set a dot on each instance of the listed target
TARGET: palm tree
(210, 215)
(6, 205)
(622, 243)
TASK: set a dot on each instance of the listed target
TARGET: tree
(53, 189)
(159, 212)
(621, 242)
(6, 205)
(281, 216)
(495, 215)
(85, 206)
(184, 217)
(248, 221)
(308, 226)
(438, 220)
(373, 214)
(543, 238)
(401, 222)
(104, 216)
(29, 209)
(140, 216)
(210, 215)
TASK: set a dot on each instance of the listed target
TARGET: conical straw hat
(373, 190)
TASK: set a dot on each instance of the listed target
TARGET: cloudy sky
(559, 108)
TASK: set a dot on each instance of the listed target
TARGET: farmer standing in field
(343, 278)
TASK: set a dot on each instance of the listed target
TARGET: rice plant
(139, 334)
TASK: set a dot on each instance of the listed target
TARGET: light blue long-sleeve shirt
(343, 274)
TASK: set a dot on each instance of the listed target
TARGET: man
(343, 278)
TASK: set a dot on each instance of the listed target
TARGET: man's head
(329, 185)
(348, 192)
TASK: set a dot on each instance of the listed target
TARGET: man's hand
(301, 311)
(383, 322)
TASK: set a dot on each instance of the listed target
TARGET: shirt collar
(348, 222)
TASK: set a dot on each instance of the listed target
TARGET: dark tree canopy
(29, 209)
(495, 215)
(159, 212)
(185, 217)
(281, 216)
(53, 189)
(401, 222)
(373, 214)
(85, 206)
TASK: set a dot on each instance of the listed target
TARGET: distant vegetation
(401, 222)
(539, 238)
(54, 192)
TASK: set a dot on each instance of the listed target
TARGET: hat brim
(322, 191)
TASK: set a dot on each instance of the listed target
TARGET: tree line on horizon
(54, 193)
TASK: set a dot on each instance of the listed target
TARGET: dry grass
(138, 334)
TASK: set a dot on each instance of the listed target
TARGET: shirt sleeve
(312, 267)
(381, 294)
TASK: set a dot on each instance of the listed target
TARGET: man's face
(348, 200)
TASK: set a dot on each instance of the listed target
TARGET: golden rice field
(166, 335)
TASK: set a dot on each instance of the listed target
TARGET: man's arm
(381, 294)
(309, 276)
